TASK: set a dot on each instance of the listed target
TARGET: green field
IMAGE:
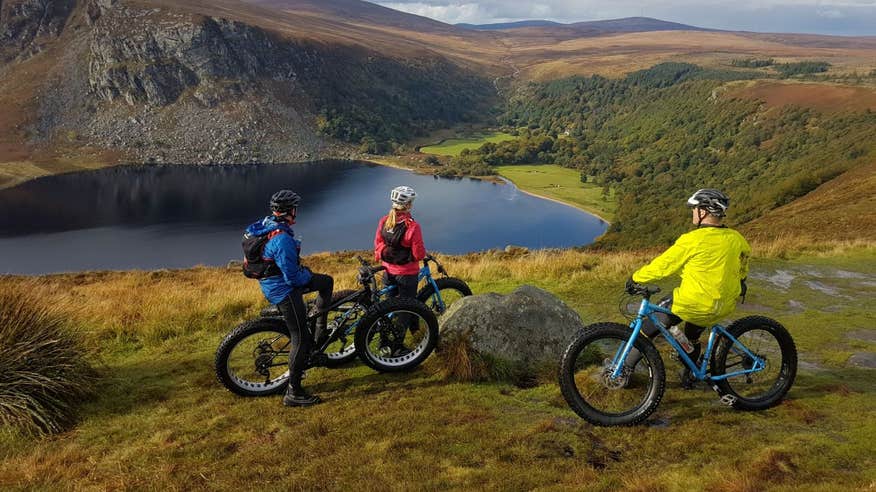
(454, 146)
(160, 421)
(563, 184)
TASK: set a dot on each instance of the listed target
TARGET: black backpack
(254, 264)
(393, 251)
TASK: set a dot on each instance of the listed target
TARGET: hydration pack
(255, 265)
(393, 251)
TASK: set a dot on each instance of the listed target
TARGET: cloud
(855, 17)
(831, 13)
(451, 14)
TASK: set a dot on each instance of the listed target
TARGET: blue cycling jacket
(283, 249)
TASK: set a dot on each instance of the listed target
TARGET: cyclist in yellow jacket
(713, 261)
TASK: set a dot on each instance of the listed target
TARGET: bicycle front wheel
(397, 334)
(342, 350)
(450, 289)
(587, 385)
(767, 340)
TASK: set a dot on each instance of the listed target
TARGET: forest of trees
(380, 102)
(658, 134)
(751, 62)
(801, 68)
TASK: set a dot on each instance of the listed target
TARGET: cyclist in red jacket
(398, 245)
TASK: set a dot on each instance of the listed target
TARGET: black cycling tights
(295, 313)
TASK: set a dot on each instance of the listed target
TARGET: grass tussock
(44, 370)
(460, 362)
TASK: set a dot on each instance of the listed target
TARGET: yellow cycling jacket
(712, 261)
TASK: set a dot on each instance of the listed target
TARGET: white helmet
(402, 196)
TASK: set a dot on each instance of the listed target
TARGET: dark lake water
(147, 217)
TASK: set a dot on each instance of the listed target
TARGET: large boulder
(519, 334)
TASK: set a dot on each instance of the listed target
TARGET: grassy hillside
(842, 208)
(161, 420)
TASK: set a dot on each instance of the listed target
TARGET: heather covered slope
(841, 208)
(161, 421)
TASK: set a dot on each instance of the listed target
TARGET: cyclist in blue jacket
(285, 286)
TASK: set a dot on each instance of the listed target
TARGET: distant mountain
(509, 25)
(356, 11)
(627, 24)
(635, 24)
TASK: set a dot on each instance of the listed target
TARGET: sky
(837, 17)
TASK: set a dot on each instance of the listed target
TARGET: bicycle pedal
(318, 360)
(728, 400)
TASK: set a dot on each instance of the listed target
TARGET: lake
(148, 217)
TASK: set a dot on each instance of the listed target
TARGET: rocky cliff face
(152, 57)
(25, 25)
(166, 85)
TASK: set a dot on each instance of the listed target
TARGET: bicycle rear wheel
(587, 385)
(253, 359)
(767, 339)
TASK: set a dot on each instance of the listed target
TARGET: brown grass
(827, 98)
(617, 54)
(459, 363)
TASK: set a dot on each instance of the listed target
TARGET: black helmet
(710, 200)
(283, 201)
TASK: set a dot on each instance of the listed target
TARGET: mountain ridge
(623, 24)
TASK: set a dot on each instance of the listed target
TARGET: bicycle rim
(591, 377)
(761, 384)
(397, 338)
(260, 362)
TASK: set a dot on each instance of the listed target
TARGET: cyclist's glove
(633, 287)
(744, 290)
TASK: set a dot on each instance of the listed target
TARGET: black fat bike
(388, 334)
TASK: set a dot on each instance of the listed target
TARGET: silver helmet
(710, 200)
(403, 196)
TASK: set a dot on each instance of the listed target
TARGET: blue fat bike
(438, 293)
(612, 374)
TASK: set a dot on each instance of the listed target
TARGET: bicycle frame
(649, 310)
(424, 273)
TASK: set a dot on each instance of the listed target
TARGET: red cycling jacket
(413, 239)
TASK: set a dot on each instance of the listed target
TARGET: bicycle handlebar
(644, 290)
(438, 265)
